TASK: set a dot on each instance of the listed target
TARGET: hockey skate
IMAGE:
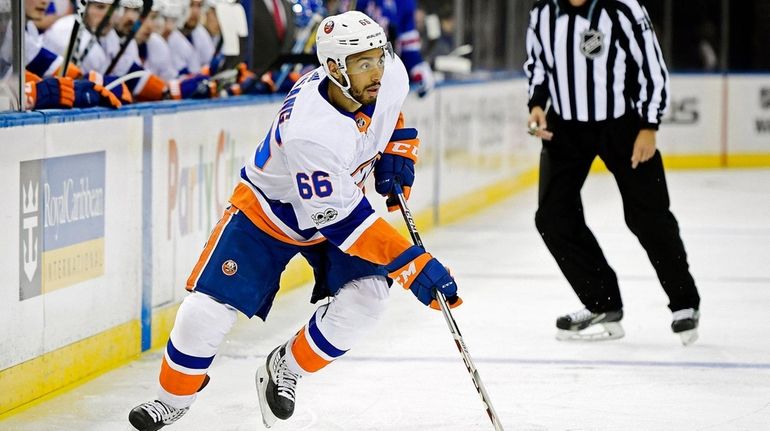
(585, 325)
(154, 415)
(276, 386)
(685, 323)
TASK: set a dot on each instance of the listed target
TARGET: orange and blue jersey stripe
(245, 198)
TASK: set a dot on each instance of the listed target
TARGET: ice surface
(408, 374)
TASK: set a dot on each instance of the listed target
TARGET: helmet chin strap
(345, 88)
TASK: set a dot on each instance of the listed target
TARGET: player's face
(195, 14)
(365, 71)
(95, 12)
(212, 25)
(127, 20)
(146, 28)
(35, 9)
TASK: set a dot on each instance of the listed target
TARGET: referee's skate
(584, 325)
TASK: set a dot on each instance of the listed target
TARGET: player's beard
(361, 96)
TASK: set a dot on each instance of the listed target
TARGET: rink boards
(106, 211)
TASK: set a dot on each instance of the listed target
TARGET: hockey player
(40, 59)
(397, 17)
(194, 31)
(186, 58)
(301, 192)
(101, 53)
(43, 87)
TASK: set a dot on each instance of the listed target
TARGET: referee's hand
(537, 126)
(644, 147)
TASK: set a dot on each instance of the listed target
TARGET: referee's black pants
(564, 165)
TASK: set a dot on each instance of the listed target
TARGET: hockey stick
(450, 321)
(127, 77)
(300, 46)
(74, 42)
(77, 58)
(146, 9)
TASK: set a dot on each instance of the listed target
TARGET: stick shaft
(450, 321)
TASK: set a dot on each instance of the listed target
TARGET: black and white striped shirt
(596, 61)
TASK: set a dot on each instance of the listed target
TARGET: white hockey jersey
(183, 53)
(100, 53)
(156, 57)
(304, 182)
(38, 59)
(203, 44)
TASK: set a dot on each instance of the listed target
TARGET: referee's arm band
(650, 126)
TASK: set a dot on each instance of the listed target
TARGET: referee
(599, 65)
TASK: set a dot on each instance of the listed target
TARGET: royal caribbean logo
(61, 222)
(30, 234)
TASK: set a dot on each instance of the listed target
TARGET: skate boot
(154, 415)
(276, 385)
(585, 325)
(685, 323)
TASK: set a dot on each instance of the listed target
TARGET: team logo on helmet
(328, 27)
(229, 267)
(592, 43)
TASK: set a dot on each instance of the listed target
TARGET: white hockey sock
(200, 327)
(335, 327)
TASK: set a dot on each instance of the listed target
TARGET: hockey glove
(120, 91)
(152, 89)
(194, 87)
(73, 71)
(250, 83)
(88, 94)
(397, 165)
(418, 271)
(49, 93)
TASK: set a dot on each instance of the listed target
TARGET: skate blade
(688, 337)
(268, 418)
(598, 332)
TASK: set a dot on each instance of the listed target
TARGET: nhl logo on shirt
(328, 27)
(591, 43)
(325, 216)
(229, 267)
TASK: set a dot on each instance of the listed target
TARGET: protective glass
(368, 64)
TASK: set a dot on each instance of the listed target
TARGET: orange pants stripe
(209, 247)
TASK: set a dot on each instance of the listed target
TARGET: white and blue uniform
(300, 193)
(39, 59)
(315, 159)
(303, 185)
(185, 57)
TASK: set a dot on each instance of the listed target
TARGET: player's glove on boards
(88, 94)
(193, 87)
(416, 270)
(397, 165)
(48, 93)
